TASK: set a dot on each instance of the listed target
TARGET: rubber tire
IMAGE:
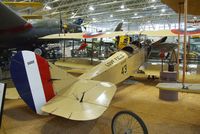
(135, 116)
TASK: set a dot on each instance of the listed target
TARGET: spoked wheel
(40, 51)
(126, 122)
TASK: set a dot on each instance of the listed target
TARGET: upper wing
(159, 33)
(64, 36)
(84, 100)
(25, 4)
(32, 17)
(172, 32)
(86, 35)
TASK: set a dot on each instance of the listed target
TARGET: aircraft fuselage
(118, 67)
(30, 38)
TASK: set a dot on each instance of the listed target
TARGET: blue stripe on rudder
(20, 79)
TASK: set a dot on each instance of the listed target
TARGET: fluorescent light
(154, 63)
(91, 8)
(136, 17)
(122, 10)
(122, 6)
(162, 14)
(47, 7)
(53, 13)
(135, 14)
(163, 10)
(111, 15)
(195, 17)
(74, 16)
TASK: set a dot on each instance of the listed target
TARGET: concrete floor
(141, 97)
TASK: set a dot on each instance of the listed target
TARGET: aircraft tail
(119, 27)
(34, 79)
(10, 21)
(162, 40)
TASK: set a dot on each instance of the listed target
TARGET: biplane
(48, 89)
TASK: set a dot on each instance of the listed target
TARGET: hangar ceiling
(137, 12)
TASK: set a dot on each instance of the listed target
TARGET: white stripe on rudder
(34, 79)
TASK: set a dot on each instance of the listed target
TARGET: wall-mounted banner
(2, 98)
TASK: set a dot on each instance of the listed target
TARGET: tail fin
(159, 41)
(10, 21)
(33, 78)
(119, 27)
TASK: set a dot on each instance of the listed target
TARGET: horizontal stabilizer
(10, 21)
(84, 100)
(11, 93)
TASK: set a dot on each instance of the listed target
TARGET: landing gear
(48, 52)
(151, 77)
(127, 122)
(40, 51)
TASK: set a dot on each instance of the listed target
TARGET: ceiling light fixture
(163, 10)
(111, 15)
(47, 7)
(136, 17)
(122, 6)
(91, 8)
(135, 14)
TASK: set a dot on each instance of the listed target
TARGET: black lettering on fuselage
(111, 62)
(30, 62)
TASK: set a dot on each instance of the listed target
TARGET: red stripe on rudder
(45, 77)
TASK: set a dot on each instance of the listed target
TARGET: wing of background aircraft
(24, 4)
(173, 32)
(46, 88)
(32, 17)
(12, 22)
(88, 35)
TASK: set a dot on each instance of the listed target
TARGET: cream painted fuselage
(118, 67)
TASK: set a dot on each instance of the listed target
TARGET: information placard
(2, 98)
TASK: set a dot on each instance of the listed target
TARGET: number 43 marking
(124, 69)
